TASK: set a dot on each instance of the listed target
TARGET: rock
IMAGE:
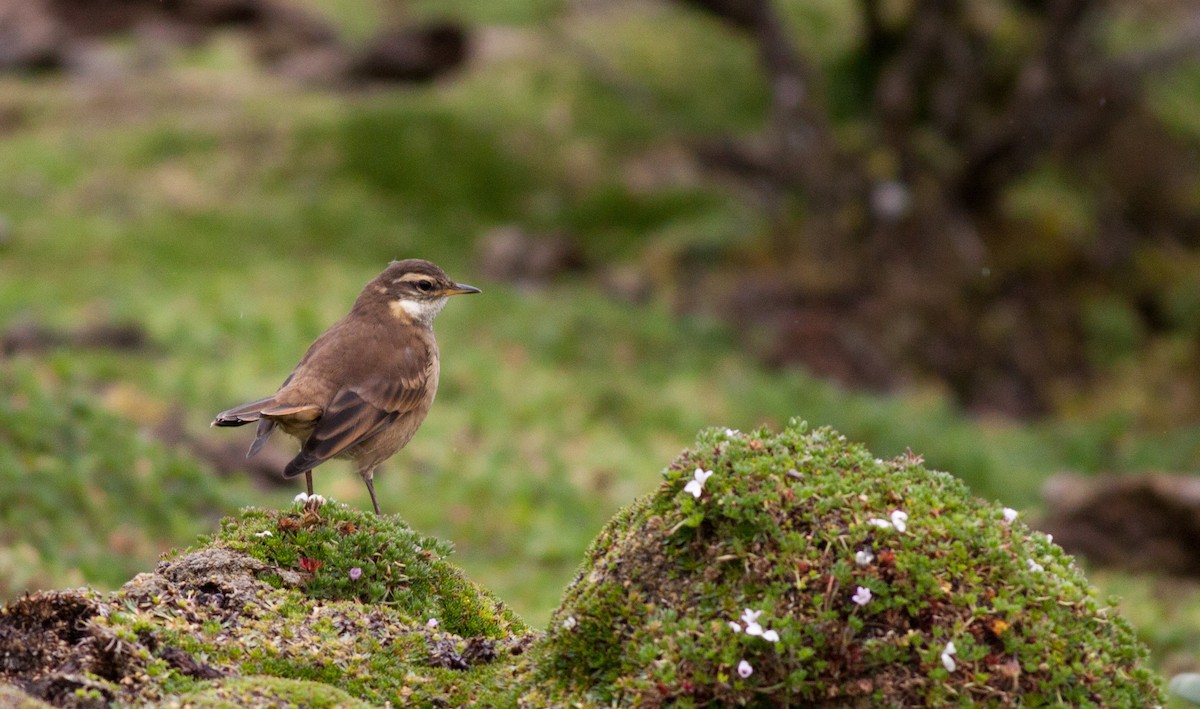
(31, 38)
(31, 337)
(1134, 522)
(511, 254)
(627, 282)
(52, 34)
(412, 53)
(285, 36)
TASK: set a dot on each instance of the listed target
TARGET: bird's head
(414, 289)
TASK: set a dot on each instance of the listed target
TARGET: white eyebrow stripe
(412, 277)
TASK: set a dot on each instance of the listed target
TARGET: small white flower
(753, 627)
(863, 557)
(696, 485)
(316, 500)
(1034, 566)
(432, 623)
(264, 533)
(881, 523)
(1009, 514)
(861, 596)
(731, 432)
(301, 498)
(750, 618)
(744, 669)
(1050, 538)
(900, 520)
(948, 657)
(569, 623)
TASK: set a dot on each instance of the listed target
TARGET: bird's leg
(308, 481)
(368, 477)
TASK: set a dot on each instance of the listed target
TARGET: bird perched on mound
(365, 385)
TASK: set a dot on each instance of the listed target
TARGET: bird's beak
(460, 289)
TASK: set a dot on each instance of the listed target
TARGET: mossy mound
(791, 579)
(314, 606)
(335, 552)
(264, 691)
(794, 569)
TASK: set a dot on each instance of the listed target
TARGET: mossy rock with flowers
(797, 569)
(766, 570)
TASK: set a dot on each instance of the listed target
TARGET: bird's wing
(298, 413)
(359, 411)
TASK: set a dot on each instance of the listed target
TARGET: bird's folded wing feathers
(295, 412)
(355, 414)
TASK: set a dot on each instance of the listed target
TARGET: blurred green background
(225, 213)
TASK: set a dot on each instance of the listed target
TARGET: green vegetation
(216, 626)
(86, 497)
(234, 216)
(742, 580)
(785, 535)
(249, 691)
(381, 562)
(406, 625)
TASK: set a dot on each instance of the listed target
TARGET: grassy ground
(235, 216)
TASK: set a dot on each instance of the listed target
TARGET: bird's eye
(425, 286)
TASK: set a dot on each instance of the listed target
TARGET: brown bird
(365, 385)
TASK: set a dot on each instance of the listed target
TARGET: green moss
(271, 595)
(267, 612)
(339, 553)
(263, 690)
(776, 531)
(16, 699)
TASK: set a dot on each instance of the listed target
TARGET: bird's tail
(266, 412)
(249, 413)
(244, 414)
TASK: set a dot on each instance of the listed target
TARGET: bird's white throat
(419, 310)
